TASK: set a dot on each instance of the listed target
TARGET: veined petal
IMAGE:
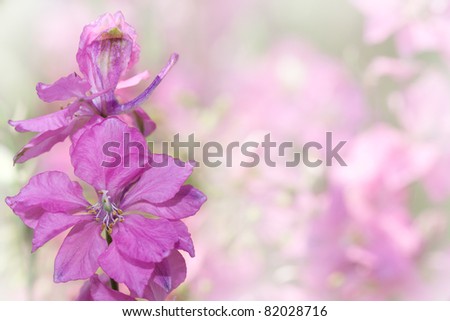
(95, 119)
(47, 192)
(159, 183)
(44, 141)
(78, 256)
(63, 89)
(109, 156)
(144, 240)
(96, 289)
(185, 203)
(52, 224)
(107, 49)
(167, 276)
(123, 270)
(43, 123)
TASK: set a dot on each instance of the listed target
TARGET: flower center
(106, 212)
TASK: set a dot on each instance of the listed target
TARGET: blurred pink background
(376, 74)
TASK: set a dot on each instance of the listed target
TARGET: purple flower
(138, 206)
(107, 50)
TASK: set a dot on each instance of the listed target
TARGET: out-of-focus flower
(296, 94)
(353, 257)
(422, 110)
(366, 245)
(397, 69)
(416, 25)
(143, 252)
(107, 49)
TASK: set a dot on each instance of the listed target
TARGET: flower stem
(114, 284)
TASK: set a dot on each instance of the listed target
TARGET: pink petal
(47, 192)
(96, 289)
(184, 238)
(95, 119)
(51, 224)
(143, 122)
(43, 123)
(144, 240)
(159, 184)
(134, 275)
(85, 291)
(107, 49)
(139, 119)
(97, 168)
(63, 89)
(168, 275)
(133, 81)
(185, 203)
(44, 141)
(78, 255)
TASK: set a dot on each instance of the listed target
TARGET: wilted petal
(159, 184)
(100, 160)
(97, 289)
(63, 89)
(51, 224)
(144, 240)
(78, 256)
(185, 203)
(135, 275)
(47, 192)
(167, 276)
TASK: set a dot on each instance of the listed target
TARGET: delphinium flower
(133, 232)
(107, 49)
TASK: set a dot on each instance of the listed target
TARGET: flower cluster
(132, 232)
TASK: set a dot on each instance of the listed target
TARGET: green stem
(114, 284)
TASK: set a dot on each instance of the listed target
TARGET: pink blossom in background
(294, 93)
(298, 94)
(416, 25)
(422, 110)
(398, 69)
(362, 258)
(366, 245)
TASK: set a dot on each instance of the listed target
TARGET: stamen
(106, 211)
